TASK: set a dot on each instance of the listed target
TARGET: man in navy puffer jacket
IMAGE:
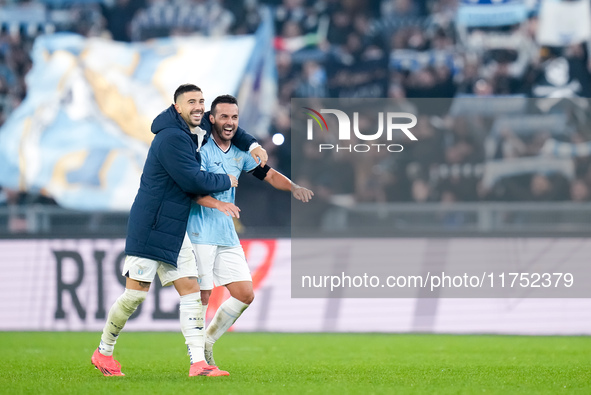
(156, 240)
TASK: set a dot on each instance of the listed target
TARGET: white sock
(224, 318)
(204, 316)
(120, 312)
(192, 323)
(205, 320)
(204, 307)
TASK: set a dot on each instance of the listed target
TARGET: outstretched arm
(279, 181)
(225, 207)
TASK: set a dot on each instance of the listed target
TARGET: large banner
(82, 133)
(487, 13)
(564, 23)
(70, 285)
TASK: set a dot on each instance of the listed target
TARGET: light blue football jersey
(209, 225)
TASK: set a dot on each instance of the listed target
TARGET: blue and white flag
(527, 125)
(491, 106)
(561, 149)
(406, 59)
(257, 92)
(488, 13)
(82, 133)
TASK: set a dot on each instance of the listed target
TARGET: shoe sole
(104, 371)
(208, 375)
(219, 373)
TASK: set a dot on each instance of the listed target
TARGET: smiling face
(224, 119)
(191, 107)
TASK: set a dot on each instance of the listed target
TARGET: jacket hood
(169, 118)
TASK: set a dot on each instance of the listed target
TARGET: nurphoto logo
(391, 119)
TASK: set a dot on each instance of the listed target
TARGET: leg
(205, 294)
(186, 285)
(134, 294)
(136, 285)
(241, 296)
(184, 279)
(205, 255)
(193, 327)
(230, 269)
(191, 316)
(241, 290)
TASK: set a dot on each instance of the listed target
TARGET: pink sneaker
(201, 368)
(107, 365)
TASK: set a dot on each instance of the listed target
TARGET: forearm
(278, 180)
(207, 201)
(230, 209)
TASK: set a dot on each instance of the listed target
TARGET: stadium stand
(399, 49)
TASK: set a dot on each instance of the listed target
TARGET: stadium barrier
(377, 219)
(69, 285)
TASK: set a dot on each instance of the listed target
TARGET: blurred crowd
(398, 49)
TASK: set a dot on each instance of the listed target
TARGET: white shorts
(144, 269)
(220, 265)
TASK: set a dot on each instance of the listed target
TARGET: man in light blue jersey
(220, 258)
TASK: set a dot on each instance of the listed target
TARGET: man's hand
(233, 180)
(228, 208)
(260, 155)
(301, 193)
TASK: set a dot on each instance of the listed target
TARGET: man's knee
(131, 299)
(186, 285)
(137, 285)
(245, 297)
(241, 290)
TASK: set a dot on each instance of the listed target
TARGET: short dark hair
(184, 89)
(222, 99)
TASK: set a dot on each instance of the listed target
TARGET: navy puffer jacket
(171, 177)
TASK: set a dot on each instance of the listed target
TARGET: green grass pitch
(270, 363)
